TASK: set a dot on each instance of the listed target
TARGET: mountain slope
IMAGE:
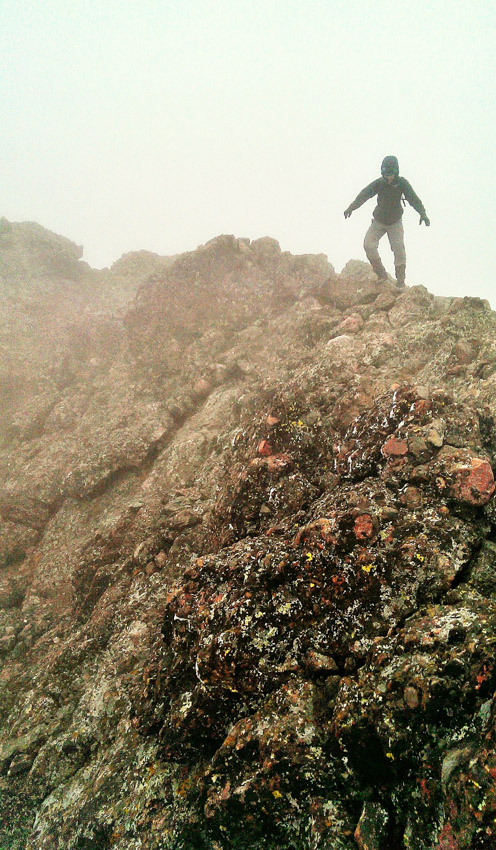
(247, 530)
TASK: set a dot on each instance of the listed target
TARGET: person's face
(389, 178)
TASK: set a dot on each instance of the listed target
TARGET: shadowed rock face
(248, 570)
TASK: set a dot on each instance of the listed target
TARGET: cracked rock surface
(247, 554)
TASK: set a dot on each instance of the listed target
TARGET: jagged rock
(30, 251)
(23, 510)
(247, 594)
(468, 479)
(483, 570)
(464, 351)
(371, 831)
(352, 325)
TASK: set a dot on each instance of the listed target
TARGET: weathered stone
(21, 763)
(385, 301)
(25, 510)
(452, 760)
(24, 744)
(7, 642)
(395, 448)
(266, 245)
(411, 697)
(351, 325)
(417, 445)
(463, 351)
(202, 388)
(435, 433)
(161, 559)
(207, 644)
(184, 519)
(412, 497)
(371, 831)
(264, 448)
(364, 527)
(316, 662)
(473, 482)
(483, 570)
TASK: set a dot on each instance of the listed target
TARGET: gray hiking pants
(395, 235)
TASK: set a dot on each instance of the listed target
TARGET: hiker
(390, 189)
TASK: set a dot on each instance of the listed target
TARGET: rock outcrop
(248, 559)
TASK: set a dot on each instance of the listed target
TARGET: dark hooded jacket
(389, 207)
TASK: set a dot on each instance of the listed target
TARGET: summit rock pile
(248, 558)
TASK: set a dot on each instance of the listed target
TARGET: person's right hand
(347, 213)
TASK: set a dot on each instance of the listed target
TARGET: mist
(159, 126)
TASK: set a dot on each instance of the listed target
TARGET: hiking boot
(400, 275)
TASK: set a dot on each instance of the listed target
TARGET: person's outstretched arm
(362, 196)
(414, 201)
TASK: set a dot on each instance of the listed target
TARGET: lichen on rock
(247, 524)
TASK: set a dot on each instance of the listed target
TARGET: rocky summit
(247, 551)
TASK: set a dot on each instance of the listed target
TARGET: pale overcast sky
(159, 124)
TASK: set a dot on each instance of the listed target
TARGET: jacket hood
(390, 166)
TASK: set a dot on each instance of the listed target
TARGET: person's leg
(397, 241)
(371, 243)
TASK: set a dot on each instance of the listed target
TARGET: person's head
(390, 168)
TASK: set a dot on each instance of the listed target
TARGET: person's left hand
(423, 218)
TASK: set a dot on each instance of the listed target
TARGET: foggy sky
(159, 124)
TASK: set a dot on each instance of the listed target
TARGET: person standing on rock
(387, 217)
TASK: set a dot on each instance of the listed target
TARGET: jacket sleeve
(412, 198)
(364, 195)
